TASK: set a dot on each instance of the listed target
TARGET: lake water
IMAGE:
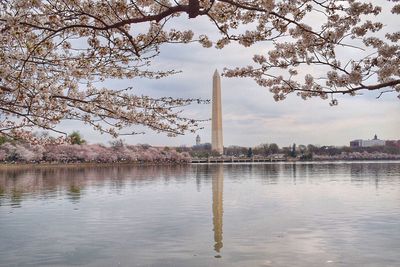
(287, 214)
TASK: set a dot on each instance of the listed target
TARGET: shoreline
(136, 164)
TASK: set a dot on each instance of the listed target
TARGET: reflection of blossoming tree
(19, 183)
(55, 54)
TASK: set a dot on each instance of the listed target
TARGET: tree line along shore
(391, 150)
(116, 152)
(78, 151)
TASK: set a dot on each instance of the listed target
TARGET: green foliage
(293, 152)
(250, 153)
(200, 154)
(306, 156)
(3, 139)
(201, 151)
(76, 138)
(215, 153)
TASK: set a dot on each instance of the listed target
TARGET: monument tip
(216, 73)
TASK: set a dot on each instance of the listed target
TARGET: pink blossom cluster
(10, 152)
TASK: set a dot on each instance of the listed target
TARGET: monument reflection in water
(218, 206)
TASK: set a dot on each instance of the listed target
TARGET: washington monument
(217, 143)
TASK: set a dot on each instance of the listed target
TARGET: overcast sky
(250, 115)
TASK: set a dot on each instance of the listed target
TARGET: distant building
(367, 143)
(198, 140)
(356, 143)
